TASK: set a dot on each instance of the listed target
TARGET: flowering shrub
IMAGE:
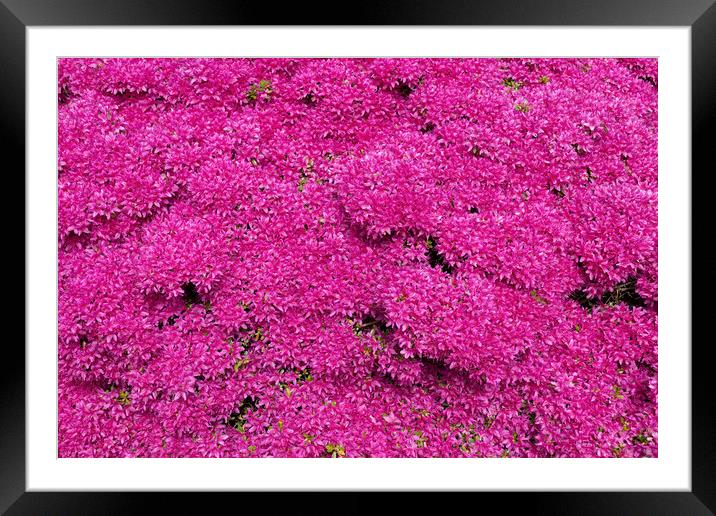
(357, 257)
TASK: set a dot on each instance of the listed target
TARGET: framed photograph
(430, 248)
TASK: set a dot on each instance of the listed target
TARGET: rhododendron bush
(357, 257)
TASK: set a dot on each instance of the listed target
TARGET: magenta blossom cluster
(357, 257)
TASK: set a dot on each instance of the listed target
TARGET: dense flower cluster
(357, 257)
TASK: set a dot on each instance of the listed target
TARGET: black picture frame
(700, 15)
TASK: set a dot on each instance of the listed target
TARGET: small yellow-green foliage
(123, 398)
(336, 450)
(511, 83)
(617, 392)
(540, 300)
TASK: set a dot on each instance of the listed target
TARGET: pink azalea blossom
(357, 257)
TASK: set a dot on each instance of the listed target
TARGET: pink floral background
(357, 257)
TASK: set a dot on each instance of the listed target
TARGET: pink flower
(357, 257)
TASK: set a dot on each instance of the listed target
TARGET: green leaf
(123, 398)
(511, 83)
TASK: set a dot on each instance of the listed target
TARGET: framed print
(441, 248)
